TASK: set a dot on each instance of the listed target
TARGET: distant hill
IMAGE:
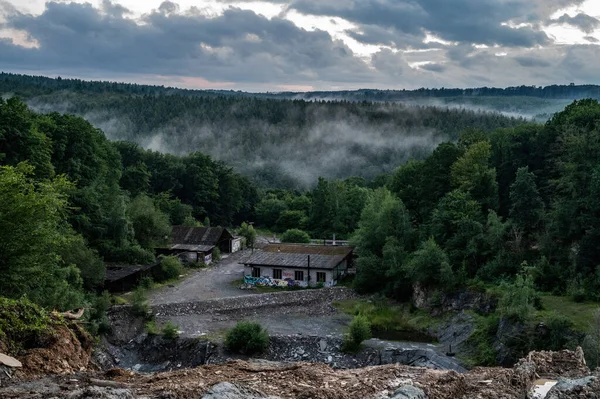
(289, 139)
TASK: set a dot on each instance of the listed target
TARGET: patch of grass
(119, 300)
(580, 314)
(151, 328)
(386, 316)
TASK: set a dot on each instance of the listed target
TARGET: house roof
(199, 235)
(193, 247)
(296, 256)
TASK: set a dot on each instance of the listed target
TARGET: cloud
(238, 45)
(582, 21)
(411, 44)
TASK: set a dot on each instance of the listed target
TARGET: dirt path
(211, 283)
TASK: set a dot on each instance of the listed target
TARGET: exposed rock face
(420, 358)
(440, 303)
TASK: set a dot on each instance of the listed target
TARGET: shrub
(247, 338)
(151, 328)
(169, 268)
(216, 254)
(295, 236)
(146, 282)
(139, 302)
(97, 319)
(170, 331)
(359, 331)
(518, 299)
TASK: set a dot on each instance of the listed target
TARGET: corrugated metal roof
(193, 248)
(294, 260)
(199, 235)
(309, 249)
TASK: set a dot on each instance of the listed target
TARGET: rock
(329, 359)
(566, 388)
(227, 390)
(323, 345)
(94, 392)
(409, 392)
(420, 358)
(9, 361)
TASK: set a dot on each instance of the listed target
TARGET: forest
(493, 204)
(278, 143)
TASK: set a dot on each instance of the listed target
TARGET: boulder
(227, 390)
(579, 388)
(9, 361)
(409, 392)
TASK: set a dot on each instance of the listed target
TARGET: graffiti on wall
(286, 282)
(273, 282)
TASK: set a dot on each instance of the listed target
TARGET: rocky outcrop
(439, 302)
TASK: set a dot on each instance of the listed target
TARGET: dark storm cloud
(582, 21)
(433, 67)
(468, 21)
(238, 45)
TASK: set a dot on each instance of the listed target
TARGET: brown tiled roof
(296, 256)
(199, 235)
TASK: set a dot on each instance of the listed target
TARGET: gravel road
(211, 283)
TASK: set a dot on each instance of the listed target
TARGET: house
(121, 278)
(297, 265)
(195, 244)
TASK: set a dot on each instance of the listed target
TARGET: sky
(303, 45)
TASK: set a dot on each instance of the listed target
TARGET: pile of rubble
(278, 380)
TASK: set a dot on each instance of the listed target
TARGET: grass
(580, 314)
(387, 316)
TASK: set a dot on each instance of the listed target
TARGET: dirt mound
(567, 364)
(67, 349)
(309, 380)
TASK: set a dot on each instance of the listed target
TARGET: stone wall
(248, 302)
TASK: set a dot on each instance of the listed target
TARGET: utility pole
(308, 271)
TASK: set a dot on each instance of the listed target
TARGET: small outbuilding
(122, 278)
(195, 244)
(287, 265)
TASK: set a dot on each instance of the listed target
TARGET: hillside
(279, 143)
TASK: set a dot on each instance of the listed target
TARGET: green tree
(151, 227)
(472, 174)
(291, 220)
(295, 236)
(527, 207)
(33, 233)
(247, 231)
(269, 210)
(429, 266)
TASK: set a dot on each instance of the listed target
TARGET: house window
(256, 272)
(321, 277)
(299, 275)
(277, 274)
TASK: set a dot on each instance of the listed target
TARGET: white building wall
(266, 272)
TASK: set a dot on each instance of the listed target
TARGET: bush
(151, 328)
(169, 268)
(518, 299)
(295, 236)
(139, 302)
(216, 254)
(247, 338)
(146, 282)
(359, 331)
(170, 331)
(98, 322)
